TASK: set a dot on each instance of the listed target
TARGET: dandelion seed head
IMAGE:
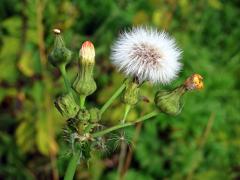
(147, 54)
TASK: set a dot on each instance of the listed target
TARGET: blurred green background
(203, 142)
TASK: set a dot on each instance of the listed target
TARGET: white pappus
(147, 54)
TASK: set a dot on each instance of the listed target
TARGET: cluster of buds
(144, 63)
(80, 119)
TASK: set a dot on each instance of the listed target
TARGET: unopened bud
(95, 115)
(83, 115)
(84, 83)
(60, 54)
(66, 106)
(87, 53)
(131, 93)
(169, 102)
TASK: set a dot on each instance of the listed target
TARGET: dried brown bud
(195, 81)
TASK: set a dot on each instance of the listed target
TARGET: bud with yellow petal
(195, 81)
(170, 102)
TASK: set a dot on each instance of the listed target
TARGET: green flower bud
(83, 115)
(131, 93)
(95, 115)
(66, 106)
(84, 83)
(60, 54)
(169, 102)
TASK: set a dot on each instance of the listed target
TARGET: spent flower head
(195, 81)
(147, 54)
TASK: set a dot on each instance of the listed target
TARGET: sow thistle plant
(142, 54)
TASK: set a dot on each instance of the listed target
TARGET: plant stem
(72, 167)
(62, 69)
(114, 96)
(123, 149)
(127, 109)
(82, 101)
(120, 126)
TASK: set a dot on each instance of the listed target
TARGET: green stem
(114, 96)
(82, 101)
(62, 69)
(120, 126)
(127, 109)
(123, 149)
(72, 167)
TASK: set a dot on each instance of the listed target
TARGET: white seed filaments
(57, 31)
(147, 54)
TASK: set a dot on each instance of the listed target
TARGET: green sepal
(60, 54)
(131, 93)
(95, 115)
(84, 84)
(83, 115)
(169, 102)
(66, 105)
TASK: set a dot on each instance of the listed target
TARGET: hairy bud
(59, 54)
(83, 115)
(131, 93)
(169, 102)
(84, 83)
(66, 106)
(95, 115)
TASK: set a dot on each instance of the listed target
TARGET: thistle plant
(144, 55)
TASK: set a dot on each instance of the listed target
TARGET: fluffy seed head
(147, 54)
(87, 52)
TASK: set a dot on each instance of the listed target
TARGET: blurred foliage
(201, 143)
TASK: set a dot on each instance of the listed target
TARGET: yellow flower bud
(195, 81)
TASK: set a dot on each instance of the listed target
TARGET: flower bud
(131, 93)
(195, 81)
(84, 83)
(87, 53)
(83, 115)
(60, 54)
(66, 105)
(169, 102)
(95, 115)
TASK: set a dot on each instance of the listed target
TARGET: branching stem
(120, 126)
(112, 98)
